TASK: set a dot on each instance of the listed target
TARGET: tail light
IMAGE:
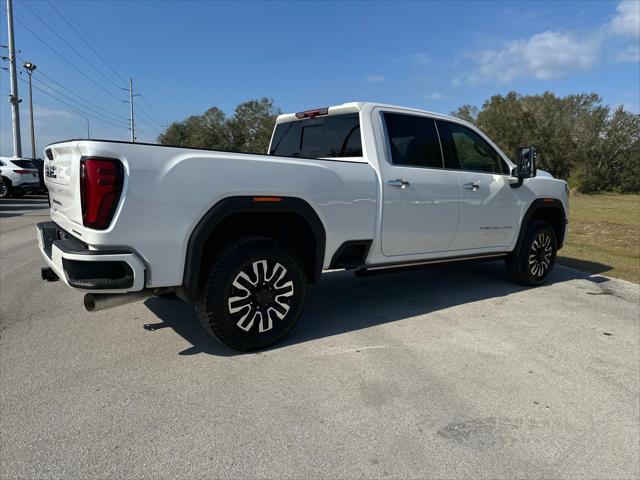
(24, 172)
(313, 113)
(101, 182)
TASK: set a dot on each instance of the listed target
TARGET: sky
(185, 57)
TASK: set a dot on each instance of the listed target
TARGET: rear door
(489, 207)
(420, 198)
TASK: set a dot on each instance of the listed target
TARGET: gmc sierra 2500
(358, 186)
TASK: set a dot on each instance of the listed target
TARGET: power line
(124, 80)
(44, 42)
(111, 117)
(43, 107)
(152, 110)
(88, 44)
(149, 120)
(76, 109)
(84, 100)
(69, 45)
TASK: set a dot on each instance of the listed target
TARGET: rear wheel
(533, 261)
(253, 294)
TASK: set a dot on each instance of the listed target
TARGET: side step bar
(398, 267)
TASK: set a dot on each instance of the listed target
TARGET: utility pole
(132, 124)
(133, 131)
(30, 67)
(14, 99)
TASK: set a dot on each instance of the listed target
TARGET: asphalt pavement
(445, 372)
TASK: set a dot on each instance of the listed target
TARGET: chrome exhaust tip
(95, 302)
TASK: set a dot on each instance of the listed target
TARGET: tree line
(578, 138)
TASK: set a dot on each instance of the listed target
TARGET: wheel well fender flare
(536, 206)
(238, 205)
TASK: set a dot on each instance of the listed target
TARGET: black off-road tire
(226, 289)
(533, 260)
(5, 188)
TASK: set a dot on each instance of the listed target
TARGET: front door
(420, 198)
(489, 208)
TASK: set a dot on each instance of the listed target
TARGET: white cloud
(374, 78)
(627, 19)
(420, 58)
(437, 96)
(555, 54)
(544, 55)
(631, 54)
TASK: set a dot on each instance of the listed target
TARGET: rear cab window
(333, 136)
(413, 140)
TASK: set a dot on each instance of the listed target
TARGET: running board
(395, 267)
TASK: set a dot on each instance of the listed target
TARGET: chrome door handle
(471, 186)
(398, 182)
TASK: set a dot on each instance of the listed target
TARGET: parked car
(19, 176)
(360, 186)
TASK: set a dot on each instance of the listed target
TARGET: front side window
(466, 150)
(320, 137)
(413, 140)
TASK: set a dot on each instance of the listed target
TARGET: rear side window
(23, 163)
(413, 140)
(321, 137)
(466, 150)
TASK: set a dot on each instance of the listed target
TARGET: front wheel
(532, 262)
(5, 188)
(253, 294)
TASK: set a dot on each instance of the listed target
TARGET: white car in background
(19, 176)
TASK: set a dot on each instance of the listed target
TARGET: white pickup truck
(360, 186)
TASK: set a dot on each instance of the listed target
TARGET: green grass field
(604, 235)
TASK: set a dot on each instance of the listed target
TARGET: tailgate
(62, 178)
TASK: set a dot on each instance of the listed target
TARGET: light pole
(30, 67)
(14, 99)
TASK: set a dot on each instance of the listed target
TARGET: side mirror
(526, 166)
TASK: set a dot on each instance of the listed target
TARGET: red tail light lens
(101, 182)
(313, 113)
(24, 172)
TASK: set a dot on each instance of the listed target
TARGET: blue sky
(185, 57)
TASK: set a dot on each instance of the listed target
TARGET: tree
(466, 112)
(252, 125)
(576, 136)
(613, 162)
(249, 130)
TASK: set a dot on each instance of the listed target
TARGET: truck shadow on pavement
(342, 303)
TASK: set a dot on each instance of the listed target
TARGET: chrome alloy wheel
(540, 255)
(260, 295)
(4, 189)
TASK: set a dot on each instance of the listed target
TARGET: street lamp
(30, 67)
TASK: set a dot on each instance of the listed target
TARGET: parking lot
(445, 372)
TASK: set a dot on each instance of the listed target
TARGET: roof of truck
(351, 107)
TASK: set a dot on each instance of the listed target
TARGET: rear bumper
(98, 271)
